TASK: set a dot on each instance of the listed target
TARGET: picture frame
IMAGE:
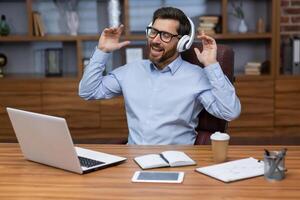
(53, 62)
(132, 53)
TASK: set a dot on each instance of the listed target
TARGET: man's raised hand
(110, 39)
(209, 53)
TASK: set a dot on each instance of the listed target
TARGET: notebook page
(177, 158)
(234, 170)
(150, 161)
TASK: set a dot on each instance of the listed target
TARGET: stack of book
(38, 25)
(253, 68)
(208, 24)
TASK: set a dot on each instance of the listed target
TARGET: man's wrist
(103, 49)
(207, 63)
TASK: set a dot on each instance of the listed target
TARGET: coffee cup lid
(219, 136)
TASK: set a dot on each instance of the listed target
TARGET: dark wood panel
(113, 114)
(25, 101)
(60, 85)
(20, 85)
(60, 98)
(287, 103)
(287, 135)
(7, 135)
(257, 100)
(251, 135)
(19, 94)
(100, 136)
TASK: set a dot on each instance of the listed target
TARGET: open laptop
(46, 139)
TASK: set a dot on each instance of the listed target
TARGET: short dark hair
(176, 14)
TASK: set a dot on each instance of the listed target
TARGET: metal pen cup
(274, 165)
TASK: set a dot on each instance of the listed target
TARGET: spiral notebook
(234, 170)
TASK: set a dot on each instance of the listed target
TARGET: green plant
(237, 6)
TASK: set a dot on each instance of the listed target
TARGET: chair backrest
(209, 124)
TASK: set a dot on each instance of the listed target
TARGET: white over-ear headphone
(185, 41)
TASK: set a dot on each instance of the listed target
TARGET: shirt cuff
(215, 74)
(100, 56)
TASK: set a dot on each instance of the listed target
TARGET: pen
(267, 152)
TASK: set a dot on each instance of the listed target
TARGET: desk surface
(22, 179)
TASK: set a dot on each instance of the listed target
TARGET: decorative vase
(4, 27)
(3, 61)
(72, 22)
(114, 13)
(242, 27)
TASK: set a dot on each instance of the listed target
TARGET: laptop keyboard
(87, 162)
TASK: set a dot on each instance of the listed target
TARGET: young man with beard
(163, 95)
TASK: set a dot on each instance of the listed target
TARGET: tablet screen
(158, 176)
(152, 176)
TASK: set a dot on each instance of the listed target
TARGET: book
(210, 19)
(234, 170)
(38, 25)
(286, 55)
(257, 68)
(35, 24)
(164, 159)
(296, 55)
(210, 24)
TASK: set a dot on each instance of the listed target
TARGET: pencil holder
(274, 165)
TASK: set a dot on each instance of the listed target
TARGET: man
(163, 95)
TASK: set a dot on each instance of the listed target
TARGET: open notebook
(234, 170)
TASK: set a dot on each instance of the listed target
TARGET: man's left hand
(209, 53)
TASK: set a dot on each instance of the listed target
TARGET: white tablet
(157, 177)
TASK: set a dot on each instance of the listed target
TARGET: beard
(161, 56)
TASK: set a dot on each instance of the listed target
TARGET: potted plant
(238, 12)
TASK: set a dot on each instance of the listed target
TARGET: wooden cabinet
(26, 86)
(256, 122)
(17, 94)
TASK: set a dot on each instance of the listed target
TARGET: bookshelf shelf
(37, 77)
(243, 77)
(243, 36)
(24, 38)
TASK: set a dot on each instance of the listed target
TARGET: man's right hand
(110, 39)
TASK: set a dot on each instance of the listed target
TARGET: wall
(290, 17)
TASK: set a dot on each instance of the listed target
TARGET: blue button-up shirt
(162, 105)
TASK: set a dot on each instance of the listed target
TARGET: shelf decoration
(53, 62)
(210, 24)
(3, 61)
(257, 68)
(238, 12)
(38, 24)
(4, 27)
(68, 10)
(114, 13)
(260, 26)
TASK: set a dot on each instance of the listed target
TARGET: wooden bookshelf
(103, 120)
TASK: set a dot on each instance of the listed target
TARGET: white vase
(114, 13)
(242, 27)
(72, 22)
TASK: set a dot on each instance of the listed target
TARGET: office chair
(209, 124)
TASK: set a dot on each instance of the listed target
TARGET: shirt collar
(173, 66)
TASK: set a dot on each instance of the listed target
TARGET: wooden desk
(21, 179)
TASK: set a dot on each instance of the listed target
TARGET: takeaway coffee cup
(219, 142)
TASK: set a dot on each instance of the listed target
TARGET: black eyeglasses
(164, 36)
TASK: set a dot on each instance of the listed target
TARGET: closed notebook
(164, 159)
(234, 170)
